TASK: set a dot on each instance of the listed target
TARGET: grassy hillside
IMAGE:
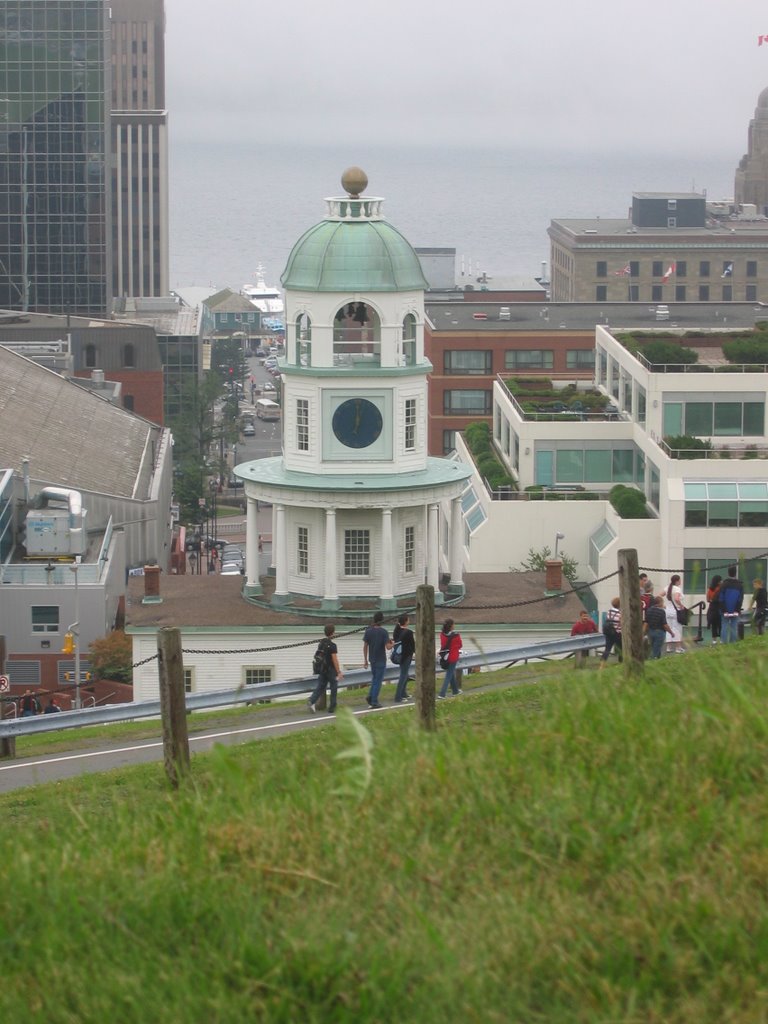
(587, 850)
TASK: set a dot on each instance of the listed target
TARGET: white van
(266, 409)
(662, 312)
(504, 313)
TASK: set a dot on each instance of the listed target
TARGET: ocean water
(235, 208)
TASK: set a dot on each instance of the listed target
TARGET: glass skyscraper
(54, 208)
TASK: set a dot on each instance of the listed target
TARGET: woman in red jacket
(450, 641)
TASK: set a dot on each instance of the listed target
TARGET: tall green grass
(588, 850)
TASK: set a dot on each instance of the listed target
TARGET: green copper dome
(353, 250)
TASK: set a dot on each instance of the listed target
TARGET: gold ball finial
(354, 181)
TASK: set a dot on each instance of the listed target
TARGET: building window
(658, 268)
(45, 618)
(90, 356)
(657, 293)
(449, 441)
(302, 550)
(680, 293)
(726, 504)
(654, 486)
(727, 293)
(634, 268)
(410, 424)
(671, 222)
(409, 339)
(703, 293)
(601, 268)
(580, 359)
(671, 204)
(467, 403)
(751, 293)
(468, 363)
(634, 293)
(128, 402)
(704, 268)
(601, 293)
(409, 548)
(357, 553)
(529, 359)
(254, 675)
(189, 680)
(302, 424)
(681, 268)
(129, 359)
(751, 268)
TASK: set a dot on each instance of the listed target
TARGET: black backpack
(444, 652)
(320, 660)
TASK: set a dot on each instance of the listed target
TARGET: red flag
(761, 40)
(670, 271)
(624, 270)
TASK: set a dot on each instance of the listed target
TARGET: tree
(112, 657)
(536, 563)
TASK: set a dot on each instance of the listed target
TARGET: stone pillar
(273, 553)
(330, 587)
(456, 586)
(252, 582)
(280, 546)
(387, 561)
(433, 551)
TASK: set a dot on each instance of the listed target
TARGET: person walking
(656, 625)
(450, 642)
(29, 705)
(583, 626)
(402, 634)
(731, 599)
(376, 643)
(51, 708)
(675, 603)
(330, 673)
(612, 631)
(760, 605)
(714, 618)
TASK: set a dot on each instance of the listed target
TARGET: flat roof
(452, 317)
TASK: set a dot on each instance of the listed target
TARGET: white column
(281, 559)
(273, 552)
(457, 544)
(330, 590)
(251, 545)
(433, 547)
(387, 559)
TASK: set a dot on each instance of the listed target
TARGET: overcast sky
(597, 74)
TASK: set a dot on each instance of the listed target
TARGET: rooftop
(482, 317)
(215, 602)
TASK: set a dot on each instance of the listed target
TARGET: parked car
(232, 553)
(231, 569)
(269, 386)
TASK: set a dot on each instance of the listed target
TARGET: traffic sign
(5, 684)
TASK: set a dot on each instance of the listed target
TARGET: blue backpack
(732, 596)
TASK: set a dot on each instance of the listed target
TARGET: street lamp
(558, 537)
(75, 630)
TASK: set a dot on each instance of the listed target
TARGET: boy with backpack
(731, 598)
(325, 664)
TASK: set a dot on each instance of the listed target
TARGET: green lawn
(584, 850)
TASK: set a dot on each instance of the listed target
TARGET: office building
(751, 181)
(139, 137)
(55, 253)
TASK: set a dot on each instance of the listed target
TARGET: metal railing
(741, 451)
(288, 688)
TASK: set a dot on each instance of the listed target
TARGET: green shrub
(683, 446)
(629, 502)
(746, 350)
(660, 352)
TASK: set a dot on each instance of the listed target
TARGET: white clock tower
(360, 511)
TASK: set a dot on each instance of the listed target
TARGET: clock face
(357, 423)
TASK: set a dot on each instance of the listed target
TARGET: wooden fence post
(425, 656)
(631, 613)
(173, 706)
(8, 743)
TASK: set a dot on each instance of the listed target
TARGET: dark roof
(214, 601)
(447, 317)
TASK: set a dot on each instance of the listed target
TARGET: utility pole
(631, 613)
(425, 656)
(173, 706)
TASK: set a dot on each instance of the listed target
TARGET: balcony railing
(743, 451)
(356, 346)
(554, 411)
(700, 367)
